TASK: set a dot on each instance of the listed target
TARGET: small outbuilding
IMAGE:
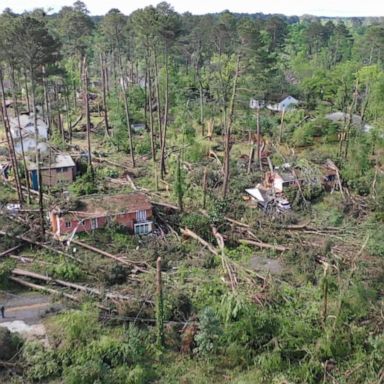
(56, 169)
(287, 103)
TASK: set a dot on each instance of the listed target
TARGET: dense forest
(184, 108)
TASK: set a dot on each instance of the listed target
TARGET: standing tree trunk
(201, 106)
(26, 91)
(104, 86)
(41, 208)
(258, 138)
(126, 108)
(164, 130)
(228, 130)
(157, 87)
(15, 100)
(159, 305)
(150, 110)
(47, 105)
(9, 138)
(87, 114)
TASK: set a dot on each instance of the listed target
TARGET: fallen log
(238, 223)
(7, 252)
(95, 291)
(187, 232)
(259, 244)
(42, 245)
(166, 205)
(116, 258)
(43, 289)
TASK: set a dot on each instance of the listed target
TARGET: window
(141, 216)
(68, 224)
(143, 228)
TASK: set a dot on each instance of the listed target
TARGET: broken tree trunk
(95, 291)
(106, 254)
(259, 244)
(41, 288)
(39, 244)
(159, 305)
(187, 232)
(7, 252)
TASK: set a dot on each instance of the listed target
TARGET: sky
(288, 7)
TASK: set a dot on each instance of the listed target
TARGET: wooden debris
(7, 252)
(259, 244)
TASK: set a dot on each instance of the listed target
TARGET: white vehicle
(12, 208)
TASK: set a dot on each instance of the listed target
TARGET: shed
(59, 169)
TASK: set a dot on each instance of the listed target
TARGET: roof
(102, 206)
(60, 160)
(27, 126)
(287, 177)
(356, 120)
(259, 193)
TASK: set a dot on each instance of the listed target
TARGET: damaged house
(23, 129)
(131, 210)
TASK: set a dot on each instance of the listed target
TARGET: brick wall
(68, 224)
(51, 177)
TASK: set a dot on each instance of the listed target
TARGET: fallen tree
(116, 258)
(78, 287)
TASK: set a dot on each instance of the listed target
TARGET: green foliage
(5, 271)
(179, 184)
(67, 271)
(78, 327)
(143, 146)
(116, 274)
(84, 185)
(41, 363)
(197, 223)
(207, 338)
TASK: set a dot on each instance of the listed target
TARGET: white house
(26, 130)
(343, 117)
(288, 103)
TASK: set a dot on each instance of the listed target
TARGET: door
(94, 223)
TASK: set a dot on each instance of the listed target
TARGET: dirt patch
(266, 265)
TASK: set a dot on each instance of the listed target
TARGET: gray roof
(60, 160)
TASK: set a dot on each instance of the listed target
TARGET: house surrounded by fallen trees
(131, 210)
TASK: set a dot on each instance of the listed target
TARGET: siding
(125, 219)
(51, 177)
